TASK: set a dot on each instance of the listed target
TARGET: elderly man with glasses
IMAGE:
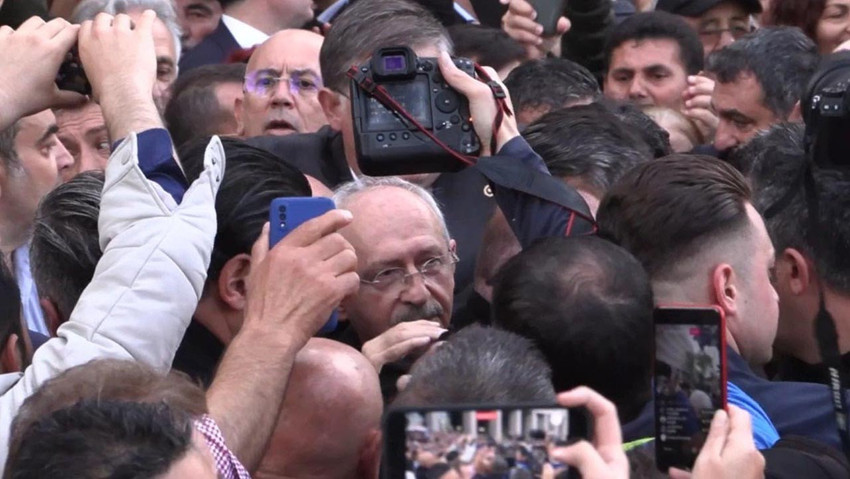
(281, 87)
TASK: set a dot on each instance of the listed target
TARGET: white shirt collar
(246, 35)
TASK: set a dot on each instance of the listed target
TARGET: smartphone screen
(287, 214)
(459, 442)
(690, 381)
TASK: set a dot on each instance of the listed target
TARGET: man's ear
(232, 281)
(238, 105)
(331, 102)
(52, 317)
(798, 273)
(10, 357)
(369, 464)
(724, 289)
(796, 115)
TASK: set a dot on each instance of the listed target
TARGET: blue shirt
(30, 306)
(765, 434)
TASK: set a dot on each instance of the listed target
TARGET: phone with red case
(689, 380)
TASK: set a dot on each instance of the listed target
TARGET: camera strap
(381, 94)
(825, 330)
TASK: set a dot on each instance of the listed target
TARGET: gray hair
(164, 9)
(368, 25)
(8, 156)
(345, 193)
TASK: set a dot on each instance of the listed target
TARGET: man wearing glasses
(281, 87)
(718, 22)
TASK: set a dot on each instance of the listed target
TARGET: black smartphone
(690, 380)
(478, 440)
(71, 75)
(548, 13)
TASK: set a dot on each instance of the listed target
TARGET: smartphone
(478, 440)
(71, 75)
(548, 13)
(690, 380)
(286, 214)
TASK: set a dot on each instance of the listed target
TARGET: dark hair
(486, 45)
(8, 156)
(10, 310)
(587, 304)
(803, 14)
(194, 110)
(781, 58)
(108, 379)
(103, 439)
(551, 82)
(252, 179)
(480, 365)
(778, 158)
(658, 26)
(368, 25)
(587, 143)
(64, 250)
(652, 134)
(663, 211)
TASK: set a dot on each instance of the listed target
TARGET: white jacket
(146, 286)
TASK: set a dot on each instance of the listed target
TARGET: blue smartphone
(286, 214)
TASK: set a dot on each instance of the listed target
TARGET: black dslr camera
(386, 142)
(826, 112)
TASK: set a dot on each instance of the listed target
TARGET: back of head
(665, 211)
(540, 86)
(95, 438)
(107, 379)
(64, 250)
(165, 11)
(780, 58)
(330, 417)
(656, 137)
(486, 45)
(254, 177)
(371, 24)
(658, 26)
(587, 145)
(194, 110)
(587, 304)
(479, 365)
(775, 171)
(10, 312)
(804, 14)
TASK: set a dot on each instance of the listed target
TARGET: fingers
(522, 8)
(31, 24)
(699, 101)
(311, 231)
(563, 26)
(345, 261)
(53, 27)
(66, 99)
(329, 246)
(583, 456)
(740, 429)
(122, 22)
(605, 421)
(261, 246)
(679, 474)
(716, 439)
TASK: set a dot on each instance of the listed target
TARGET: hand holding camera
(31, 57)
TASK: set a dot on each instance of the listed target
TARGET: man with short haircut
(759, 82)
(83, 133)
(715, 251)
(649, 57)
(166, 36)
(717, 22)
(804, 269)
(330, 422)
(198, 18)
(587, 305)
(487, 46)
(281, 86)
(540, 86)
(479, 365)
(245, 24)
(108, 437)
(209, 93)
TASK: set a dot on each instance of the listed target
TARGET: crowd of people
(642, 153)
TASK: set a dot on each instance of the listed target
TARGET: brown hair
(804, 14)
(108, 379)
(664, 209)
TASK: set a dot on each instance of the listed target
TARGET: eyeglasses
(265, 83)
(712, 36)
(437, 267)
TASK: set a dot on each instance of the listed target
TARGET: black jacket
(214, 49)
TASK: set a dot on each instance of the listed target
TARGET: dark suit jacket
(215, 48)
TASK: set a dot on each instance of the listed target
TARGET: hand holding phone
(287, 214)
(548, 13)
(690, 380)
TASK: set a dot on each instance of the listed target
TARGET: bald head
(329, 425)
(291, 106)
